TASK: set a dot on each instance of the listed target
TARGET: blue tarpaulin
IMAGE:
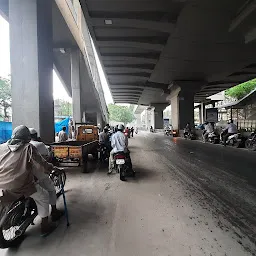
(59, 125)
(5, 131)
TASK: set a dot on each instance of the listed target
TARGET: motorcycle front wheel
(10, 234)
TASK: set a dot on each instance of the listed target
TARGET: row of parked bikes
(235, 140)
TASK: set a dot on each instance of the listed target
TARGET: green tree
(5, 95)
(241, 90)
(121, 114)
(62, 108)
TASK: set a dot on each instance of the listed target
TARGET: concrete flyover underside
(146, 46)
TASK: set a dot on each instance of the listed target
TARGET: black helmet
(21, 132)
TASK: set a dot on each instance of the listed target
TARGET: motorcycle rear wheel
(121, 171)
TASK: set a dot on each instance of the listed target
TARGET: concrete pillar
(182, 103)
(75, 83)
(159, 115)
(32, 65)
(202, 112)
(99, 121)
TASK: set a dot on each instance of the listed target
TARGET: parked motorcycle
(189, 135)
(250, 143)
(16, 217)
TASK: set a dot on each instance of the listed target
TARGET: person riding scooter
(208, 128)
(119, 143)
(228, 131)
(22, 169)
(104, 140)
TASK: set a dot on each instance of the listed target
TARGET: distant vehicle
(76, 151)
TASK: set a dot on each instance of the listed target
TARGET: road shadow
(143, 174)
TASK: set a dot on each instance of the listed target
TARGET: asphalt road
(188, 198)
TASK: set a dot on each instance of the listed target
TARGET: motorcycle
(212, 138)
(167, 132)
(16, 217)
(234, 140)
(250, 143)
(121, 165)
(189, 135)
(103, 152)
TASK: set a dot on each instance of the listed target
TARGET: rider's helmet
(22, 133)
(33, 133)
(120, 127)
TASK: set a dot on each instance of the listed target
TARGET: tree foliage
(241, 90)
(5, 95)
(62, 108)
(121, 114)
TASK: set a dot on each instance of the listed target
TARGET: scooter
(121, 165)
(167, 132)
(234, 140)
(189, 135)
(16, 217)
(212, 138)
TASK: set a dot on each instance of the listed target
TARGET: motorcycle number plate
(120, 161)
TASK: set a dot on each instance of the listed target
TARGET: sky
(58, 90)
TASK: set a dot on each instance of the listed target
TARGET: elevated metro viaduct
(177, 52)
(45, 35)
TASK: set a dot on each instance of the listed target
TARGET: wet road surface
(188, 198)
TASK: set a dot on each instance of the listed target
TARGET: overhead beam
(149, 55)
(130, 58)
(156, 39)
(148, 46)
(245, 11)
(135, 23)
(126, 90)
(149, 67)
(115, 73)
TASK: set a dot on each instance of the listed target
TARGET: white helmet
(120, 127)
(32, 131)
